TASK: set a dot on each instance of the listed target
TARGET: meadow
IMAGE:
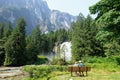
(101, 69)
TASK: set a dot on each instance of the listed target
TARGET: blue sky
(73, 7)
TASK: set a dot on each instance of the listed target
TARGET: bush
(41, 60)
(113, 59)
(56, 61)
(94, 59)
(42, 71)
(117, 58)
(105, 60)
(106, 63)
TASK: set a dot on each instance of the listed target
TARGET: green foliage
(46, 43)
(48, 40)
(36, 39)
(112, 48)
(15, 45)
(31, 53)
(117, 60)
(1, 30)
(104, 65)
(61, 35)
(56, 61)
(9, 56)
(77, 33)
(42, 71)
(51, 39)
(94, 59)
(2, 52)
(8, 30)
(108, 21)
(84, 42)
(33, 46)
(110, 64)
(42, 60)
(103, 60)
(20, 48)
(103, 6)
(4, 33)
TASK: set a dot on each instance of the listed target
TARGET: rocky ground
(10, 72)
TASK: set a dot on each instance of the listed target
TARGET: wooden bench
(80, 70)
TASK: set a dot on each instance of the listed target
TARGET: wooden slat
(79, 69)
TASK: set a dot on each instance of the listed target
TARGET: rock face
(35, 12)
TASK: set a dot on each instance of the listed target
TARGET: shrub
(42, 71)
(56, 61)
(113, 59)
(94, 59)
(110, 59)
(117, 58)
(41, 60)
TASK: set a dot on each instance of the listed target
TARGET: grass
(98, 72)
(94, 74)
(101, 69)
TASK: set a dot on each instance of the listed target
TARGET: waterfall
(65, 51)
(61, 51)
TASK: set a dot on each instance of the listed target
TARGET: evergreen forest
(89, 37)
(94, 41)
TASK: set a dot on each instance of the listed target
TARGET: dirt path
(7, 72)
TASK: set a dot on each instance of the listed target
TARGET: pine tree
(15, 46)
(1, 30)
(33, 45)
(61, 35)
(36, 39)
(78, 41)
(45, 43)
(8, 30)
(94, 48)
(84, 42)
(2, 51)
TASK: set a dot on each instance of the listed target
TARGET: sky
(73, 7)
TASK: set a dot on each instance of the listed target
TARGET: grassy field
(94, 74)
(101, 69)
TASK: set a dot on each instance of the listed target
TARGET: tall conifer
(8, 30)
(15, 46)
(1, 30)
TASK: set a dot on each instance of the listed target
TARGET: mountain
(35, 12)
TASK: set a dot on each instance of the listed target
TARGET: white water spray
(65, 51)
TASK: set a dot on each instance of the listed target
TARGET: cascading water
(65, 51)
(61, 51)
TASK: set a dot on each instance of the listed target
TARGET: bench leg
(82, 73)
(86, 73)
(71, 73)
(77, 73)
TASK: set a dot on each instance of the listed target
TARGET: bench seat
(81, 70)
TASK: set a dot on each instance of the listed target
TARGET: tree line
(89, 37)
(84, 41)
(99, 37)
(17, 48)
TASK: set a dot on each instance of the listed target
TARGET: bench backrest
(75, 68)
